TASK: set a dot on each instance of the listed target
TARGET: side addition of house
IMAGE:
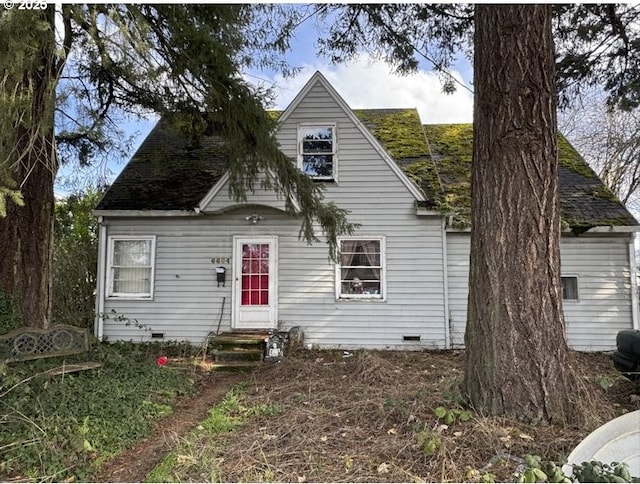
(180, 259)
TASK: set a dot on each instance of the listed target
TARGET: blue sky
(362, 83)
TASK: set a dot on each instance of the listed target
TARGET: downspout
(445, 282)
(633, 274)
(100, 278)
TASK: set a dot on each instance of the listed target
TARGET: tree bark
(26, 233)
(517, 359)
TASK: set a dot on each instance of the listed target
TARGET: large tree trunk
(516, 352)
(26, 245)
(26, 233)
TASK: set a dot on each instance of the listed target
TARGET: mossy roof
(584, 199)
(169, 172)
(437, 157)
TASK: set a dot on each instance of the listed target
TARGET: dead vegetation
(367, 416)
(371, 416)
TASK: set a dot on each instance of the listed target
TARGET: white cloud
(365, 84)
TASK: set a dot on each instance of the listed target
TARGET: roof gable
(318, 78)
(401, 134)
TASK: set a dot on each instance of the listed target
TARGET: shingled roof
(169, 172)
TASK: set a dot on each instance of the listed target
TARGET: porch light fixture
(254, 218)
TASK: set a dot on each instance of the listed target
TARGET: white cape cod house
(181, 259)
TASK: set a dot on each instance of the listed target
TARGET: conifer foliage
(68, 72)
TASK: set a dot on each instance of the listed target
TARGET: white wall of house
(187, 302)
(601, 265)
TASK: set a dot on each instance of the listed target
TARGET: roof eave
(430, 212)
(146, 213)
(600, 229)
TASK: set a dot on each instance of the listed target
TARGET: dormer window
(317, 151)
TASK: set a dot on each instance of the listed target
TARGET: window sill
(129, 298)
(361, 299)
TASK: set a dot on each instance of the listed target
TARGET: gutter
(633, 274)
(100, 279)
(600, 229)
(608, 229)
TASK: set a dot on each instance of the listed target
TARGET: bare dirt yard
(368, 416)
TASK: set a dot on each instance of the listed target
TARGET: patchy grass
(199, 454)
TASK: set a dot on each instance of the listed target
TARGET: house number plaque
(221, 260)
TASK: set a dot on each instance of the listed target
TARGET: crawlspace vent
(410, 338)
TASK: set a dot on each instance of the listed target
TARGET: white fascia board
(318, 77)
(460, 230)
(145, 213)
(293, 105)
(215, 190)
(211, 194)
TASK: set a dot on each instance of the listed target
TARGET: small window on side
(569, 288)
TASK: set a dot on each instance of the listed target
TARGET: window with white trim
(131, 267)
(569, 288)
(361, 271)
(317, 151)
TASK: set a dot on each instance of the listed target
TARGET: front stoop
(236, 350)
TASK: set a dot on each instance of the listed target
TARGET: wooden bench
(34, 343)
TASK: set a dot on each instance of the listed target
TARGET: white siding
(458, 285)
(604, 288)
(260, 196)
(187, 302)
(601, 265)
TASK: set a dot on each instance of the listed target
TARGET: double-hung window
(361, 271)
(131, 267)
(317, 151)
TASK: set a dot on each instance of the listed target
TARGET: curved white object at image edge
(616, 441)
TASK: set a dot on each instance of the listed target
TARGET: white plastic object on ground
(616, 441)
